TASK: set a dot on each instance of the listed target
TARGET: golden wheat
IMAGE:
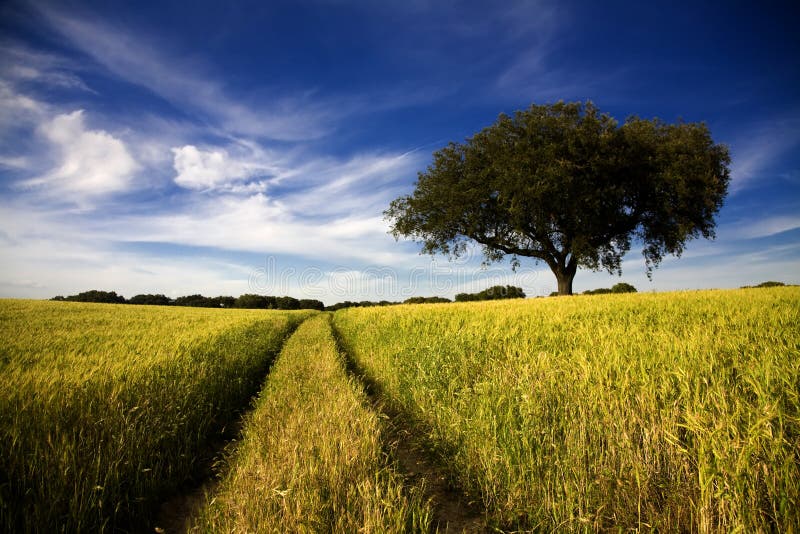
(677, 411)
(105, 408)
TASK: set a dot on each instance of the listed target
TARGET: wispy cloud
(528, 68)
(764, 227)
(191, 86)
(756, 152)
(259, 224)
(363, 184)
(304, 184)
(16, 107)
(56, 151)
(18, 162)
(21, 65)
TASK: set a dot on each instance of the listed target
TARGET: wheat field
(104, 409)
(675, 411)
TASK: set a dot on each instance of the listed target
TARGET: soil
(177, 513)
(452, 511)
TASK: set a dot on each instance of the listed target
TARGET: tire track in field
(452, 511)
(177, 512)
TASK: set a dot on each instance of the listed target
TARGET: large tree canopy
(567, 185)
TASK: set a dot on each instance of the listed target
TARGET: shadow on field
(452, 511)
(178, 511)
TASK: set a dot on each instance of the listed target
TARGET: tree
(154, 300)
(222, 301)
(567, 185)
(105, 297)
(287, 303)
(249, 300)
(196, 301)
(311, 304)
(623, 287)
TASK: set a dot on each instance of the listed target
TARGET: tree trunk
(565, 283)
(564, 276)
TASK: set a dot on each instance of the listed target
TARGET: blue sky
(198, 147)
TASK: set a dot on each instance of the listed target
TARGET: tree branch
(507, 248)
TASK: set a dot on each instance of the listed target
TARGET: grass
(105, 408)
(675, 412)
(311, 456)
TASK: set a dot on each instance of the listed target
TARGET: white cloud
(91, 162)
(199, 169)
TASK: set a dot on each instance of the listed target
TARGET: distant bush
(341, 305)
(262, 302)
(770, 283)
(247, 300)
(621, 287)
(493, 293)
(598, 291)
(425, 300)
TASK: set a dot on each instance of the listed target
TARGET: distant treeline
(495, 292)
(248, 301)
(262, 302)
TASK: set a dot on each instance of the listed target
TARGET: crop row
(311, 457)
(677, 412)
(105, 409)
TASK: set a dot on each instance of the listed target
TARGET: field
(678, 411)
(674, 412)
(104, 409)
